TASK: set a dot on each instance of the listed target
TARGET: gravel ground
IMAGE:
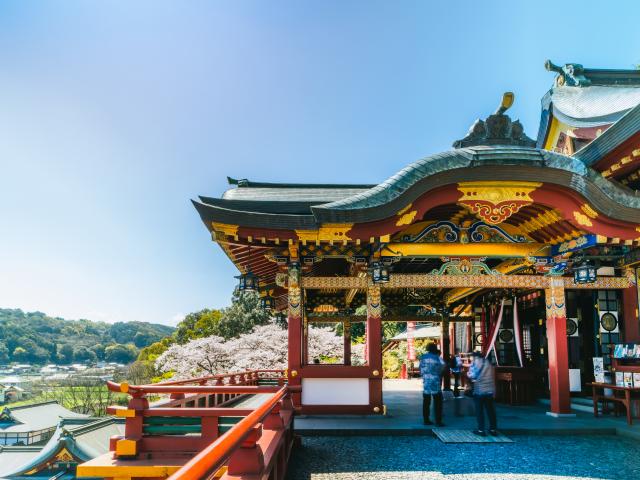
(417, 458)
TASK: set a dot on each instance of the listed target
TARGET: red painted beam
(630, 312)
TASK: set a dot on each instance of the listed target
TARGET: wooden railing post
(129, 446)
(274, 421)
(219, 396)
(248, 459)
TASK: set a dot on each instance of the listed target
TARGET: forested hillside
(34, 337)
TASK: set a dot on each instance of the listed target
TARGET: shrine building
(525, 249)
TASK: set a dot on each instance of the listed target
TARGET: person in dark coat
(431, 369)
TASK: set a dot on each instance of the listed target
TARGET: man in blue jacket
(431, 369)
(482, 375)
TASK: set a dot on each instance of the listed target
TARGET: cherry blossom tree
(202, 356)
(265, 347)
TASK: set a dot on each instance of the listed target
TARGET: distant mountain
(34, 337)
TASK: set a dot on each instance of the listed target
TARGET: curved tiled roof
(509, 163)
(524, 164)
(83, 440)
(39, 416)
(592, 106)
(612, 138)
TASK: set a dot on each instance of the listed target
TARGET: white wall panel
(335, 391)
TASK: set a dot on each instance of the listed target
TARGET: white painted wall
(335, 391)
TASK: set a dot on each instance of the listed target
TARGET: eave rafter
(624, 165)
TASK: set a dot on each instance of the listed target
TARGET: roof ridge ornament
(497, 129)
(6, 417)
(571, 74)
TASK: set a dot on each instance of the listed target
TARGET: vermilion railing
(193, 433)
(241, 446)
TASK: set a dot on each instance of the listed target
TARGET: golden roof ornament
(497, 129)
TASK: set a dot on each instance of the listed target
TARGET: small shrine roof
(40, 416)
(14, 457)
(421, 331)
(84, 438)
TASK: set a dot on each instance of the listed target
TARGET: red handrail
(213, 377)
(236, 389)
(170, 386)
(212, 458)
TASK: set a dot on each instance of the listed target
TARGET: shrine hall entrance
(540, 330)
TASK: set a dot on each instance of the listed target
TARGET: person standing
(455, 365)
(431, 369)
(482, 375)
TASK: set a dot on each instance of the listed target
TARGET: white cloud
(177, 318)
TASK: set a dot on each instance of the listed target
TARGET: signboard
(574, 244)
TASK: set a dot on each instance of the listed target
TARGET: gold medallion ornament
(495, 202)
(406, 216)
(582, 219)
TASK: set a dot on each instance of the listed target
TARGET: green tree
(4, 353)
(154, 350)
(45, 338)
(20, 354)
(98, 349)
(84, 354)
(120, 353)
(244, 313)
(140, 373)
(66, 353)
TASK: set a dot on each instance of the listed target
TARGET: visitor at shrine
(455, 365)
(431, 369)
(482, 375)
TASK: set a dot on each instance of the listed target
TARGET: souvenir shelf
(626, 365)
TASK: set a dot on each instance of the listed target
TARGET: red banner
(411, 350)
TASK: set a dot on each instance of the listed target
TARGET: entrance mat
(467, 436)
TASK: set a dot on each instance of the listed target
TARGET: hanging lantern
(247, 282)
(267, 302)
(379, 273)
(585, 273)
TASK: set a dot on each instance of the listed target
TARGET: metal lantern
(247, 282)
(379, 273)
(267, 302)
(585, 273)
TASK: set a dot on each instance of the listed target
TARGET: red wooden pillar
(630, 310)
(557, 347)
(445, 346)
(346, 329)
(452, 343)
(374, 346)
(305, 340)
(295, 330)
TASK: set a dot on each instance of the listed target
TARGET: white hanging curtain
(494, 335)
(516, 330)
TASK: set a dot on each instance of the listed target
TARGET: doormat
(467, 436)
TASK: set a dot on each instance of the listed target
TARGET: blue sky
(114, 114)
